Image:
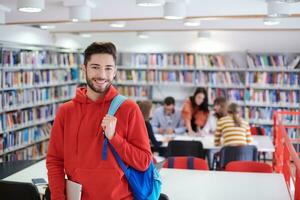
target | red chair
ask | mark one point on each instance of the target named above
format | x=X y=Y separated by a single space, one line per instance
x=186 y=162
x=257 y=130
x=248 y=166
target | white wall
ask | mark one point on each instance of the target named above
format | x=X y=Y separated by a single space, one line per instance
x=25 y=35
x=220 y=41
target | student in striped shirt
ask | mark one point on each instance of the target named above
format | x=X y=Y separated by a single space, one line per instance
x=234 y=129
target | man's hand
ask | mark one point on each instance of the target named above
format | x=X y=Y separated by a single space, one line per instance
x=161 y=131
x=109 y=126
x=170 y=131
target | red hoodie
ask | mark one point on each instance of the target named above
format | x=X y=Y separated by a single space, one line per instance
x=76 y=145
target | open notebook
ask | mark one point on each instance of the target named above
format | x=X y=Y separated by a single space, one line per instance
x=73 y=190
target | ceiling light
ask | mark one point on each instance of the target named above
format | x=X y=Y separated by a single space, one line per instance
x=277 y=8
x=47 y=27
x=174 y=10
x=118 y=24
x=80 y=13
x=271 y=21
x=203 y=35
x=31 y=5
x=192 y=22
x=85 y=35
x=142 y=35
x=150 y=3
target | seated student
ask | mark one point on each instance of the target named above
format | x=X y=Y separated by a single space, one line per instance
x=167 y=119
x=234 y=130
x=220 y=110
x=195 y=111
x=145 y=107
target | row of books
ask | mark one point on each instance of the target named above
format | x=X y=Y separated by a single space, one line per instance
x=199 y=77
x=11 y=120
x=177 y=59
x=37 y=58
x=33 y=152
x=273 y=78
x=264 y=114
x=263 y=61
x=272 y=96
x=34 y=96
x=16 y=139
x=42 y=77
x=232 y=95
x=134 y=91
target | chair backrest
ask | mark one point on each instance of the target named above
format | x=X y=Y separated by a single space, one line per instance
x=47 y=195
x=234 y=153
x=257 y=130
x=248 y=166
x=185 y=148
x=184 y=162
x=10 y=190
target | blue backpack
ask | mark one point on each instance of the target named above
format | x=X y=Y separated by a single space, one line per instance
x=145 y=185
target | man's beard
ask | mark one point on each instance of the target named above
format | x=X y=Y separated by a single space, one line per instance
x=100 y=90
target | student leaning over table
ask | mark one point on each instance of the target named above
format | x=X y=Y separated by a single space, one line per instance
x=76 y=138
x=234 y=130
x=195 y=111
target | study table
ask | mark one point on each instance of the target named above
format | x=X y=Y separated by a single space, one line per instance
x=181 y=184
x=263 y=143
x=197 y=185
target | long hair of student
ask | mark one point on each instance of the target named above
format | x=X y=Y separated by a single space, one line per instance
x=234 y=110
x=204 y=105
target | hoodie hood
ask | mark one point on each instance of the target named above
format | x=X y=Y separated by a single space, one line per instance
x=81 y=96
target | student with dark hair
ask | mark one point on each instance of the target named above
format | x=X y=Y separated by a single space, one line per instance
x=233 y=128
x=167 y=118
x=220 y=110
x=78 y=132
x=146 y=107
x=195 y=111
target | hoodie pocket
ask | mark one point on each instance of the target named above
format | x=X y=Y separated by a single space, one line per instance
x=101 y=183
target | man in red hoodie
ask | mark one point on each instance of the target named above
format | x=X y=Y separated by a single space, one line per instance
x=76 y=138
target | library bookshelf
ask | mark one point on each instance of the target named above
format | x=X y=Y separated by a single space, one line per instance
x=34 y=82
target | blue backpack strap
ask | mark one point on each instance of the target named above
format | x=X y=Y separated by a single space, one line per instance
x=190 y=162
x=171 y=162
x=120 y=161
x=114 y=105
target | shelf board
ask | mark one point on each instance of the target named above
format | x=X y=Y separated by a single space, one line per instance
x=38 y=122
x=13 y=149
x=39 y=86
x=35 y=104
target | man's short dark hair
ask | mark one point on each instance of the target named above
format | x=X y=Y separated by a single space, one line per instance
x=100 y=47
x=169 y=100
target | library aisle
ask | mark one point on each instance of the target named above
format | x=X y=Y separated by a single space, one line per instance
x=245 y=51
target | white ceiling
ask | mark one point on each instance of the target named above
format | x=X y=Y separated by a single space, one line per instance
x=239 y=15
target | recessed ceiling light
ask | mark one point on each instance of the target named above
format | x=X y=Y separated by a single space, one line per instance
x=31 y=5
x=142 y=35
x=85 y=35
x=47 y=26
x=149 y=3
x=271 y=21
x=174 y=10
x=118 y=24
x=192 y=23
